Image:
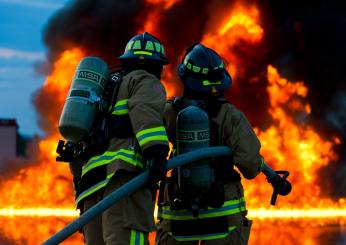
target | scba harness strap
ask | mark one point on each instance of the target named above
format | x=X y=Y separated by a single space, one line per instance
x=118 y=121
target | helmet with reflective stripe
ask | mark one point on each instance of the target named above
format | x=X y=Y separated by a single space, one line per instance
x=202 y=69
x=144 y=46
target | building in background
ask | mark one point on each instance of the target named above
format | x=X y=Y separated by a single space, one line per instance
x=8 y=138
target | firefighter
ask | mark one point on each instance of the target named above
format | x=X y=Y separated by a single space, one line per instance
x=137 y=141
x=205 y=79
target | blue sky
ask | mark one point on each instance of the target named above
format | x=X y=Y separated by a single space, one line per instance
x=21 y=46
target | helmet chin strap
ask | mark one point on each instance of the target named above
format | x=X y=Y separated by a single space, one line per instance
x=214 y=92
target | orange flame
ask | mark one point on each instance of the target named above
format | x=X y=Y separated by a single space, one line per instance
x=166 y=3
x=48 y=182
x=292 y=145
x=153 y=17
x=241 y=24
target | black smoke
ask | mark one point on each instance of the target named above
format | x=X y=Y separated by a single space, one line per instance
x=99 y=27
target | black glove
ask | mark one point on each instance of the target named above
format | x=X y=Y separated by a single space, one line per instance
x=156 y=163
x=66 y=151
x=281 y=186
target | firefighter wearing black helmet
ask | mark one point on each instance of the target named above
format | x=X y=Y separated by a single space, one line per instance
x=205 y=79
x=137 y=141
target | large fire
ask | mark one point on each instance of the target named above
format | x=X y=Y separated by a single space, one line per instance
x=290 y=143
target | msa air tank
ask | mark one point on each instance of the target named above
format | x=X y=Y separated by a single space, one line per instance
x=193 y=132
x=82 y=103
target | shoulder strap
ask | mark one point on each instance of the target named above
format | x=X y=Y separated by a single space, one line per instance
x=116 y=79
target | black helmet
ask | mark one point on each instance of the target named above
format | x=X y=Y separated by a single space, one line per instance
x=202 y=68
x=145 y=46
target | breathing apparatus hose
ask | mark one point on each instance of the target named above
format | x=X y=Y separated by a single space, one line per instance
x=130 y=188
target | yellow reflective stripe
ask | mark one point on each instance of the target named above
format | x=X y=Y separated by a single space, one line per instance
x=205 y=71
x=129 y=160
x=120 y=108
x=157 y=46
x=153 y=138
x=143 y=52
x=133 y=237
x=151 y=134
x=150 y=130
x=136 y=238
x=137 y=45
x=205 y=237
x=149 y=46
x=105 y=154
x=127 y=156
x=207 y=82
x=202 y=216
x=103 y=162
x=121 y=102
x=128 y=46
x=230 y=207
x=196 y=69
x=93 y=189
x=141 y=238
x=120 y=112
x=231 y=228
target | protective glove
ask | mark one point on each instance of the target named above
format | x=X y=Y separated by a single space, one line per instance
x=156 y=163
x=281 y=186
x=66 y=151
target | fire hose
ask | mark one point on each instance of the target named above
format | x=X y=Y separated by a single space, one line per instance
x=140 y=181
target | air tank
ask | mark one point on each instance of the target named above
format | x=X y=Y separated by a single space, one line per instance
x=82 y=102
x=193 y=132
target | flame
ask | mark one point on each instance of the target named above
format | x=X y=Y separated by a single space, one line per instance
x=290 y=143
x=167 y=4
x=157 y=7
x=33 y=230
x=240 y=25
x=171 y=88
x=47 y=182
